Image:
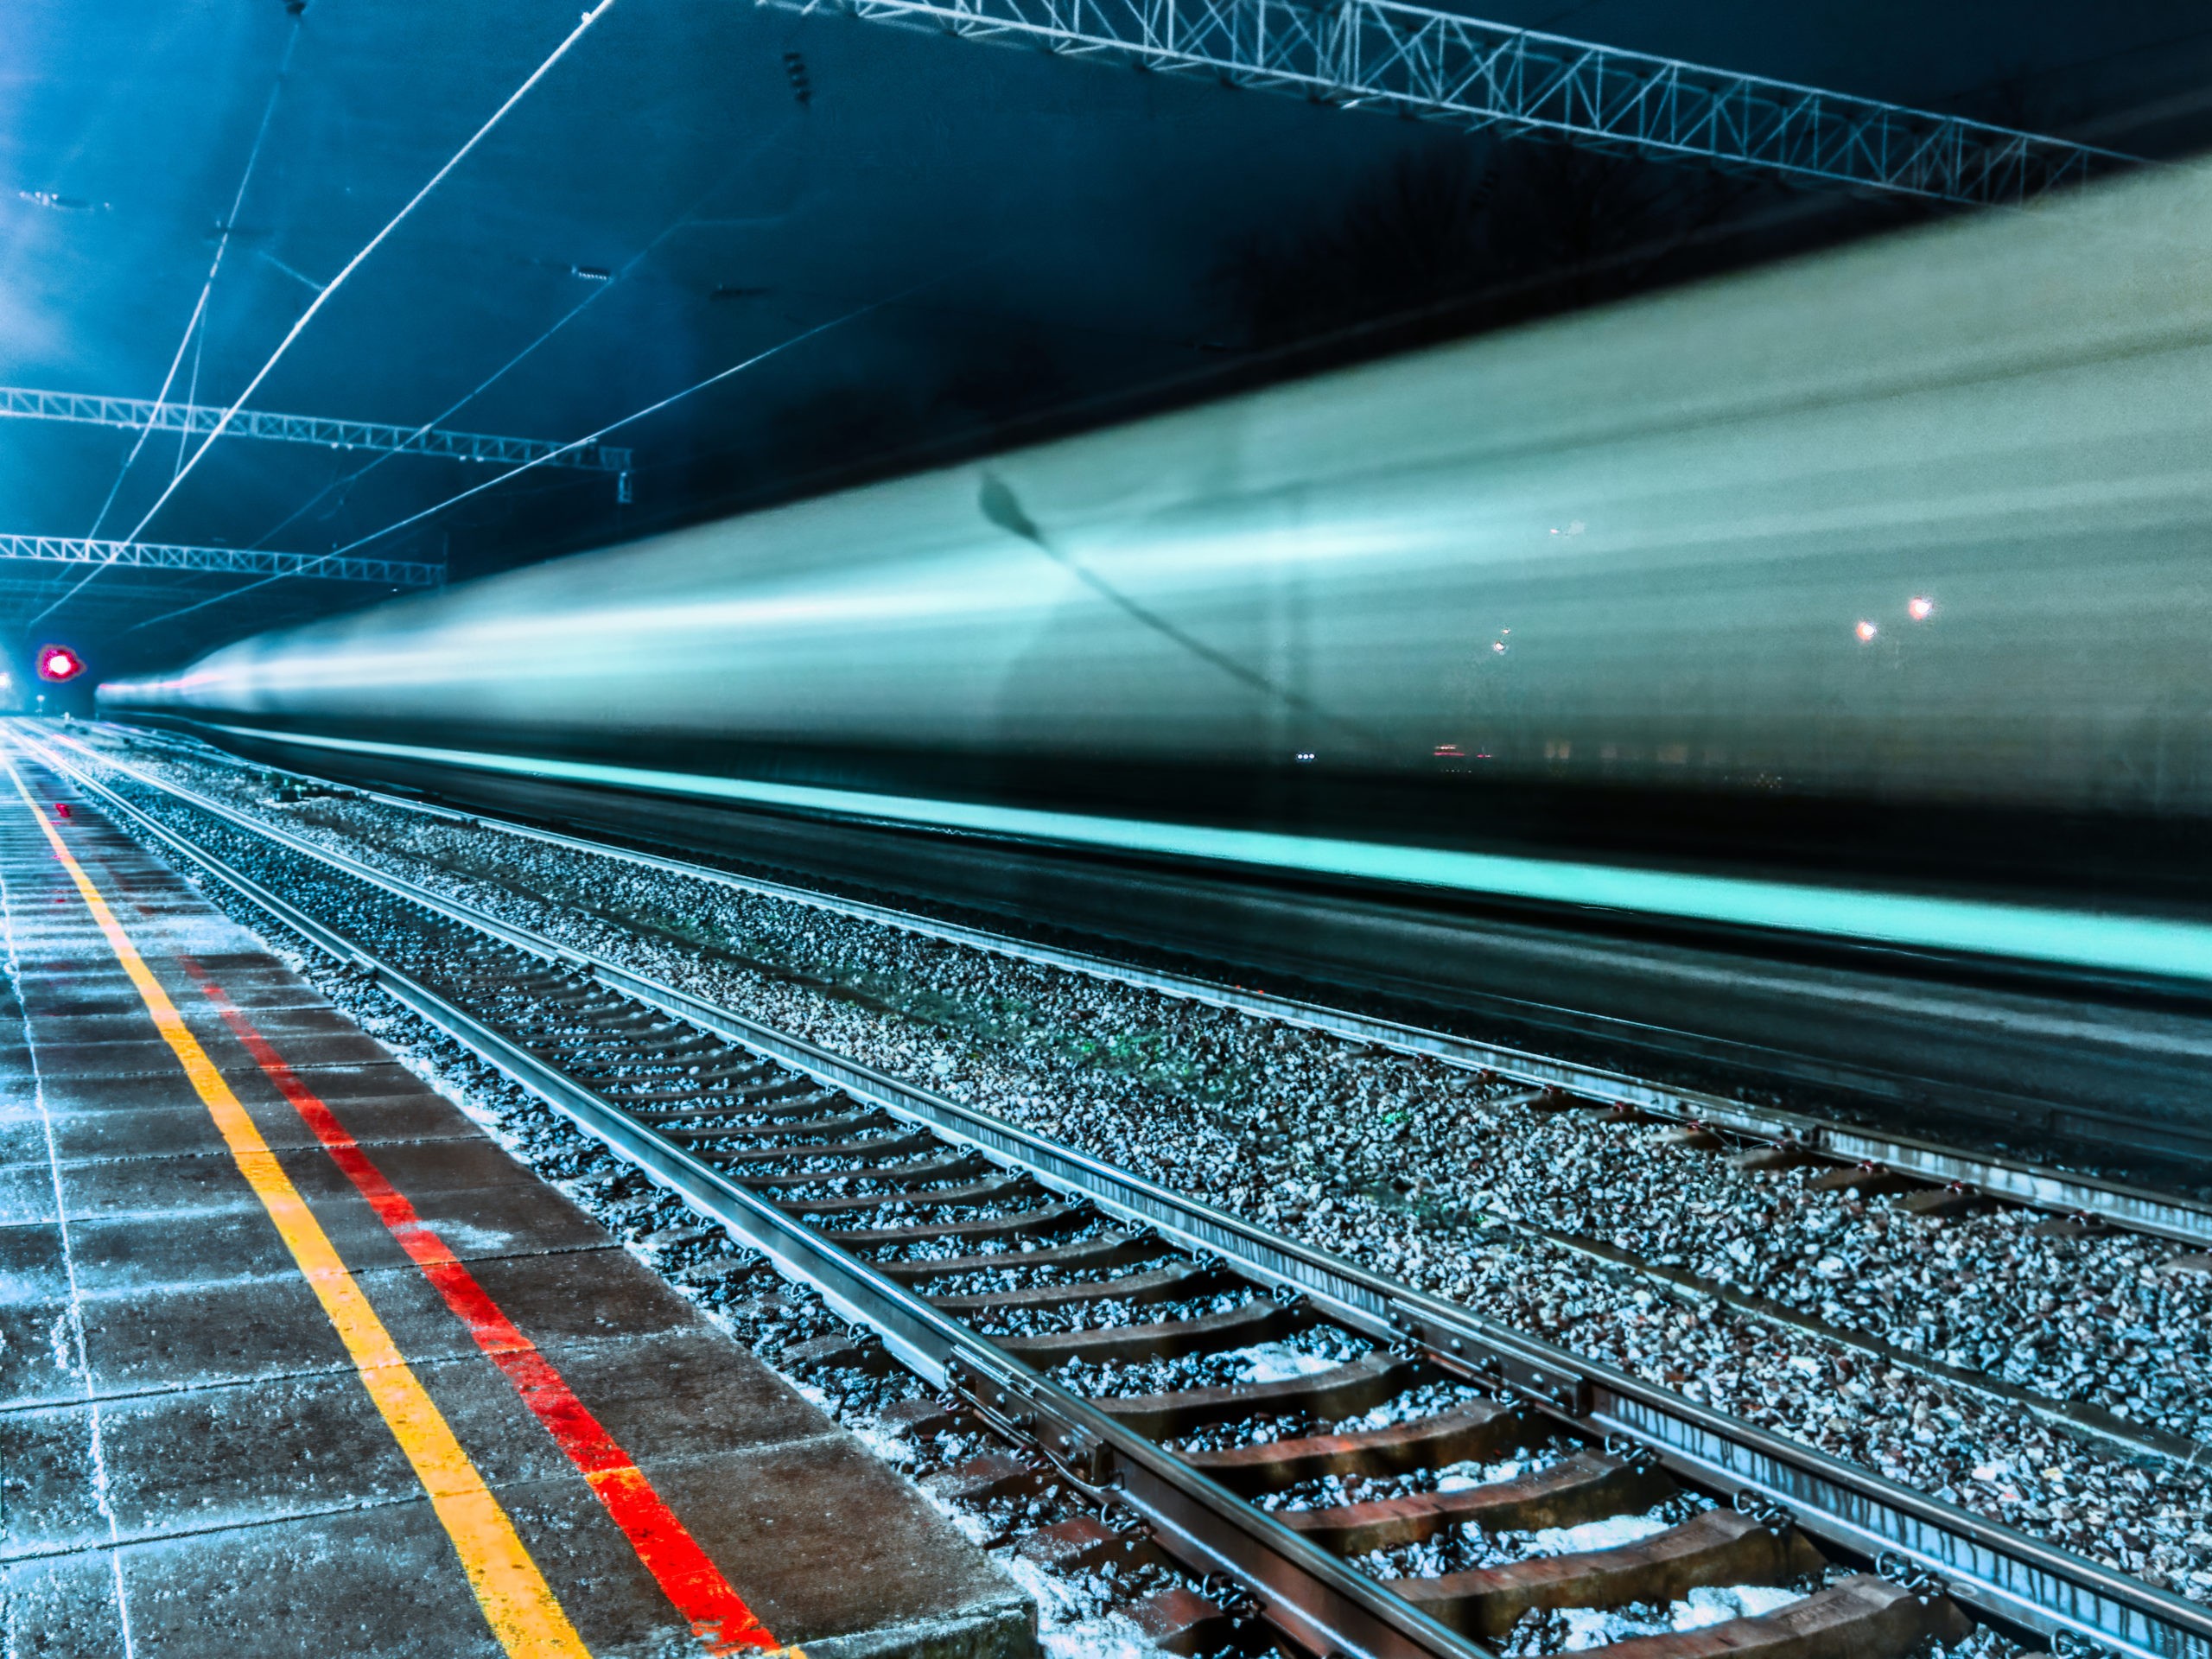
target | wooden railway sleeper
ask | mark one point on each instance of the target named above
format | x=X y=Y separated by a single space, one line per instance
x=1863 y=1617
x=1006 y=1186
x=1359 y=1385
x=1106 y=1250
x=659 y=1041
x=629 y=1019
x=1719 y=1546
x=882 y=1146
x=771 y=1128
x=1185 y=1279
x=1587 y=1486
x=704 y=1089
x=1051 y=1218
x=780 y=1137
x=706 y=1078
x=641 y=1062
x=927 y=1169
x=1478 y=1429
x=1256 y=1321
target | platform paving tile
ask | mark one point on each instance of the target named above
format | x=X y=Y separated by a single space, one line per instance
x=67 y=1096
x=253 y=1499
x=181 y=1184
x=48 y=995
x=214 y=1458
x=36 y=1364
x=120 y=1256
x=34 y=1267
x=26 y=1193
x=135 y=1133
x=61 y=1607
x=64 y=1094
x=838 y=1527
x=61 y=1036
x=502 y=1218
x=162 y=1131
x=216 y=1333
x=131 y=1052
x=379 y=1581
x=580 y=1296
x=87 y=1065
x=210 y=1333
x=23 y=1137
x=477 y=1223
x=292 y=1030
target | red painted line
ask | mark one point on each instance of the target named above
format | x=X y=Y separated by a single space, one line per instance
x=717 y=1613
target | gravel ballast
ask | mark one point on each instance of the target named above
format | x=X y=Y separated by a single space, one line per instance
x=1427 y=1174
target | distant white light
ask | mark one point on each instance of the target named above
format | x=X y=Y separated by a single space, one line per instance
x=1920 y=607
x=1497 y=646
x=1866 y=630
x=1306 y=755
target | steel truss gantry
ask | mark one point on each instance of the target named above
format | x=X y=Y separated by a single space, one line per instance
x=135 y=413
x=226 y=561
x=1438 y=66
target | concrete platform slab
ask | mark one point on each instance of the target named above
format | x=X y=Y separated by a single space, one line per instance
x=159 y=1131
x=26 y=1193
x=188 y=1453
x=61 y=1607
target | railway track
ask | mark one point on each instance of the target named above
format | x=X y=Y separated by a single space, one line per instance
x=1310 y=1434
x=1940 y=1179
x=1817 y=1160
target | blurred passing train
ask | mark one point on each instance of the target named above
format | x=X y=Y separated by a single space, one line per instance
x=1865 y=599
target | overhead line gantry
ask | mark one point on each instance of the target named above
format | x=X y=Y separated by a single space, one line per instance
x=137 y=414
x=230 y=561
x=1442 y=67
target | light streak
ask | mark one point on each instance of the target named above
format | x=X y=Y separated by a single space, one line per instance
x=2117 y=943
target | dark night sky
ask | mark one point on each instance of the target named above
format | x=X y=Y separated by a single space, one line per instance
x=1046 y=231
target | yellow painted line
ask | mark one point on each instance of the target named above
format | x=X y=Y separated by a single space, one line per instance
x=517 y=1602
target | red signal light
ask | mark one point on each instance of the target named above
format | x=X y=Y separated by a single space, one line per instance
x=58 y=663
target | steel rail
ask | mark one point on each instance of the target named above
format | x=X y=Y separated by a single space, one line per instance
x=2016 y=1181
x=2130 y=1440
x=1996 y=1570
x=1319 y=1601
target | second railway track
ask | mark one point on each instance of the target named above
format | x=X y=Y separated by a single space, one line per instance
x=1296 y=1425
x=1943 y=1178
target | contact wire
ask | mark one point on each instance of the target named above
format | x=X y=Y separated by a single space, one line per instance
x=578 y=443
x=329 y=288
x=199 y=306
x=598 y=292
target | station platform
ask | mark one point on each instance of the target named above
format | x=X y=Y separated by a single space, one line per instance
x=294 y=1359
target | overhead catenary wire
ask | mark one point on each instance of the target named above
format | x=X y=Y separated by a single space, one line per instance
x=446 y=414
x=591 y=297
x=193 y=324
x=336 y=284
x=761 y=356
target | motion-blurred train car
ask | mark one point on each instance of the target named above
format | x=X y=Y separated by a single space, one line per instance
x=1865 y=599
